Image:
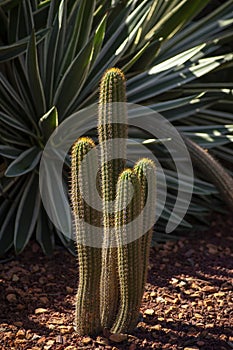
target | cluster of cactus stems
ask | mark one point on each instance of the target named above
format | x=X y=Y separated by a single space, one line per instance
x=111 y=278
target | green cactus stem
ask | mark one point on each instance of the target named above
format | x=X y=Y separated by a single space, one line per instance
x=87 y=318
x=129 y=257
x=146 y=173
x=112 y=125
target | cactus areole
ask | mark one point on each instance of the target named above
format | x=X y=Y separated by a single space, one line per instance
x=111 y=279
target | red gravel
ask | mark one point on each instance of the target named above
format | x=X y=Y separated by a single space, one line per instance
x=187 y=302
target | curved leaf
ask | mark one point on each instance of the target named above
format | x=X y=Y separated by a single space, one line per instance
x=34 y=76
x=49 y=122
x=8 y=212
x=9 y=151
x=27 y=213
x=73 y=80
x=44 y=234
x=8 y=52
x=26 y=162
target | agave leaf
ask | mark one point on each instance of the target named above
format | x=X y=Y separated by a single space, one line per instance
x=13 y=25
x=49 y=122
x=50 y=51
x=16 y=124
x=69 y=88
x=40 y=14
x=8 y=52
x=176 y=18
x=177 y=103
x=23 y=89
x=8 y=210
x=166 y=67
x=198 y=32
x=60 y=212
x=174 y=79
x=9 y=151
x=44 y=234
x=13 y=138
x=9 y=4
x=25 y=163
x=207 y=140
x=6 y=185
x=224 y=153
x=27 y=22
x=34 y=77
x=27 y=213
x=81 y=28
x=200 y=187
x=114 y=48
x=10 y=95
x=69 y=244
x=61 y=38
x=99 y=37
x=174 y=218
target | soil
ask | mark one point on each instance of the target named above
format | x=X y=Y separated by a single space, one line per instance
x=187 y=304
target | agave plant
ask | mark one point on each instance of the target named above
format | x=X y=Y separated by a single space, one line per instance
x=52 y=56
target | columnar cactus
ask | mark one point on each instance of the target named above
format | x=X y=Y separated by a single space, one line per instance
x=128 y=251
x=89 y=258
x=112 y=279
x=112 y=130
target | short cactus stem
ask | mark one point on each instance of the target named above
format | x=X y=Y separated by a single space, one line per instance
x=129 y=257
x=146 y=173
x=89 y=258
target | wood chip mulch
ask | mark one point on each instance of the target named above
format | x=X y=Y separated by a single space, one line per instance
x=187 y=304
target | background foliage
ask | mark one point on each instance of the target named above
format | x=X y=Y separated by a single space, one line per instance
x=177 y=56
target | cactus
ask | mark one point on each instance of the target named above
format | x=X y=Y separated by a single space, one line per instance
x=145 y=171
x=128 y=254
x=112 y=125
x=111 y=279
x=89 y=258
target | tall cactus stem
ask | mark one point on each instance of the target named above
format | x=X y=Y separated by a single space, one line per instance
x=129 y=257
x=87 y=318
x=112 y=125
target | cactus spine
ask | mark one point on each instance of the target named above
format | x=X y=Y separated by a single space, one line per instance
x=111 y=279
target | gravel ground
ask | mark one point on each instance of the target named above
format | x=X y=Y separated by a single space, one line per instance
x=187 y=303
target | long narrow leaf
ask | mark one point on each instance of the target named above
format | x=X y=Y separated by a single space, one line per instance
x=25 y=163
x=34 y=77
x=73 y=80
x=27 y=212
x=44 y=234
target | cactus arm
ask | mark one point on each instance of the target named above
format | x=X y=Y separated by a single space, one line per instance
x=89 y=258
x=129 y=254
x=146 y=172
x=112 y=124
